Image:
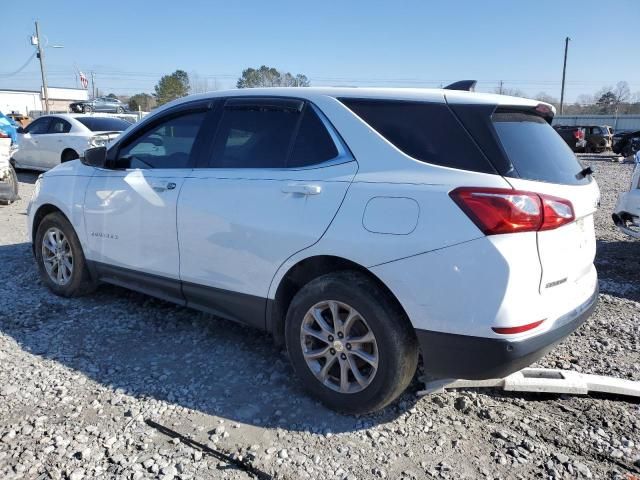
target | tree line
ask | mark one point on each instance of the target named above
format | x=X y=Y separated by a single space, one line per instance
x=609 y=100
x=178 y=84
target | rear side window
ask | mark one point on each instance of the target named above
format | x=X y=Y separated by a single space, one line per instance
x=104 y=124
x=428 y=132
x=535 y=150
x=254 y=137
x=313 y=143
x=58 y=125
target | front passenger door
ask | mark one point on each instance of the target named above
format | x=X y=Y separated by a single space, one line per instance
x=130 y=211
x=28 y=154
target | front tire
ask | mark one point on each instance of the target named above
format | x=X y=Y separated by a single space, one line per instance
x=61 y=262
x=12 y=180
x=349 y=343
x=87 y=109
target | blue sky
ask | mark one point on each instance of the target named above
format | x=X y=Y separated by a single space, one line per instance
x=129 y=45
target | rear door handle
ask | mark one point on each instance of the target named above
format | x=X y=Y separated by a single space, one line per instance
x=302 y=189
x=162 y=186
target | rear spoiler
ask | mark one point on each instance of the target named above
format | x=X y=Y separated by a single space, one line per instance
x=463 y=85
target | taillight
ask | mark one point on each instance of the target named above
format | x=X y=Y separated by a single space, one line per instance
x=500 y=210
x=518 y=329
x=578 y=134
x=3 y=134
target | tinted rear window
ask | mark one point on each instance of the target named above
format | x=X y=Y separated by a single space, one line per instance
x=535 y=150
x=104 y=124
x=425 y=131
x=313 y=144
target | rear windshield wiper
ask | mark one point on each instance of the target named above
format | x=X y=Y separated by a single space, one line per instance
x=584 y=172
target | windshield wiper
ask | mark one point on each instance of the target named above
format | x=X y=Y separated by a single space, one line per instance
x=584 y=172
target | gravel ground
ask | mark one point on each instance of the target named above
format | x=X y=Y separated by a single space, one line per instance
x=79 y=377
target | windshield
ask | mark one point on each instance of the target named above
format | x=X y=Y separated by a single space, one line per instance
x=535 y=149
x=104 y=124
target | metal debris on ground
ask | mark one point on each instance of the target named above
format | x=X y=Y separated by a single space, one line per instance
x=246 y=467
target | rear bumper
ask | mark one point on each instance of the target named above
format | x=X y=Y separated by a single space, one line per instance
x=447 y=355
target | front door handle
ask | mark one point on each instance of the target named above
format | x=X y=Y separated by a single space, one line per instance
x=302 y=189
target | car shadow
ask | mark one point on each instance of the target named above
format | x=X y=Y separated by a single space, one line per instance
x=618 y=265
x=150 y=348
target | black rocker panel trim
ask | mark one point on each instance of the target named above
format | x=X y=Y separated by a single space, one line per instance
x=239 y=307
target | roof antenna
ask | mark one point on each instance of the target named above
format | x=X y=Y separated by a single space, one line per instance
x=464 y=85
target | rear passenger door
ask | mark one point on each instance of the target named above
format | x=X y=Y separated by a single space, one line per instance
x=274 y=178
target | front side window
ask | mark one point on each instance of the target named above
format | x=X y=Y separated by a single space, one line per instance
x=59 y=125
x=39 y=126
x=166 y=145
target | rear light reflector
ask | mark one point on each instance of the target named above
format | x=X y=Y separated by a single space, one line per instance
x=519 y=329
x=501 y=210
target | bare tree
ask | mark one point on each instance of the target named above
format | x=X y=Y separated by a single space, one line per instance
x=512 y=92
x=622 y=92
x=545 y=97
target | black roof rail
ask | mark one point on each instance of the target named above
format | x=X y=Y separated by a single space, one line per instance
x=464 y=85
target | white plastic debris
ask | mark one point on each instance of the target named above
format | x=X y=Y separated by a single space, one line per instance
x=543 y=380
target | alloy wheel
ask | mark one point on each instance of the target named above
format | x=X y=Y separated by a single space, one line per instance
x=339 y=347
x=57 y=256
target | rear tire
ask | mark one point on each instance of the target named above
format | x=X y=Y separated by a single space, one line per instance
x=69 y=155
x=60 y=259
x=390 y=348
x=120 y=110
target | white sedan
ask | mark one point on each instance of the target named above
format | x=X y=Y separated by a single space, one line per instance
x=54 y=139
x=626 y=215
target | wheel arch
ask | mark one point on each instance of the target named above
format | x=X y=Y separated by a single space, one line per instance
x=44 y=210
x=302 y=273
x=68 y=150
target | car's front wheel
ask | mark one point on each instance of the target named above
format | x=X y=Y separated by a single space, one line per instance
x=349 y=343
x=87 y=109
x=61 y=262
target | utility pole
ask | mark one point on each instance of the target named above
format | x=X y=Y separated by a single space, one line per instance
x=93 y=85
x=564 y=72
x=500 y=87
x=42 y=69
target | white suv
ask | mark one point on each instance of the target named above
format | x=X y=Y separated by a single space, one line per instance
x=361 y=227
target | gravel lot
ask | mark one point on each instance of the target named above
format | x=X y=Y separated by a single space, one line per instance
x=79 y=377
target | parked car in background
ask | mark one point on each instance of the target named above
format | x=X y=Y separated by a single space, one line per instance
x=573 y=136
x=52 y=139
x=626 y=143
x=20 y=119
x=358 y=226
x=8 y=128
x=626 y=215
x=598 y=138
x=99 y=104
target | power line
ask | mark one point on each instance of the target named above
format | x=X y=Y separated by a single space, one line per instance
x=25 y=65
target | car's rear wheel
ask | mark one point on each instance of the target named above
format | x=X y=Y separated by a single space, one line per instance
x=120 y=110
x=60 y=259
x=349 y=343
x=69 y=155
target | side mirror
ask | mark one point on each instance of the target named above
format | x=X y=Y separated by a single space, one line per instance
x=95 y=157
